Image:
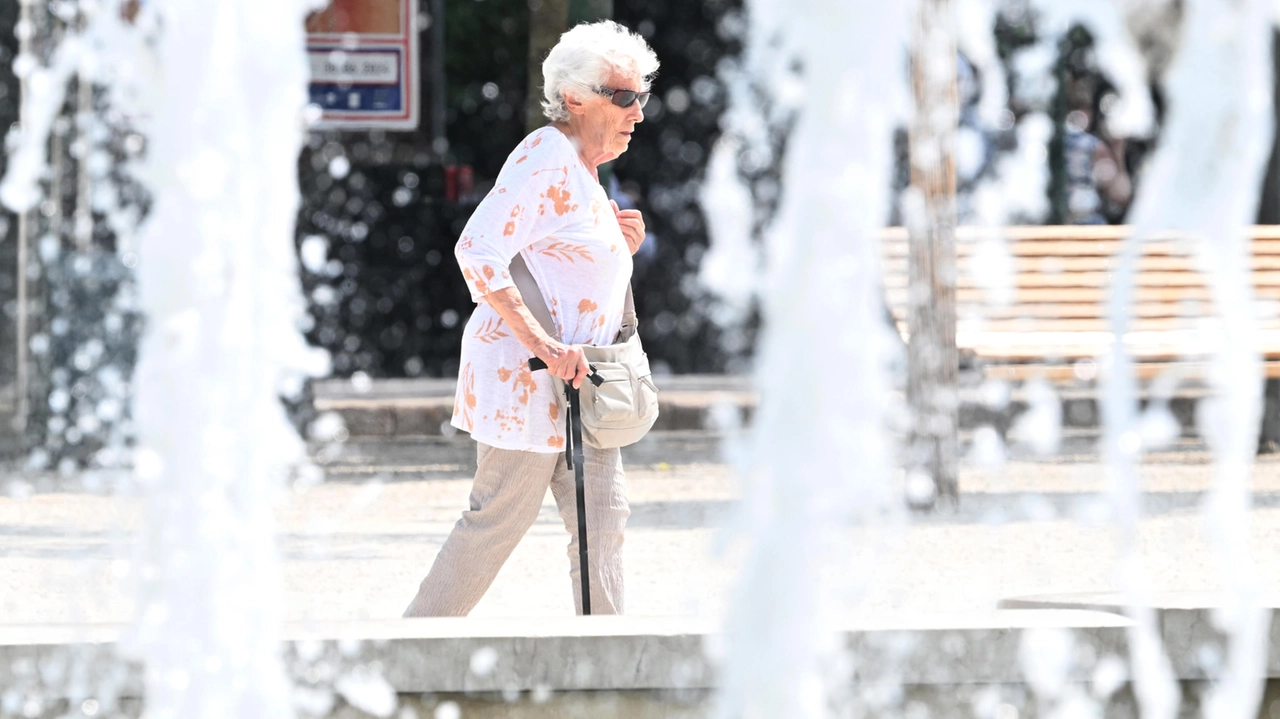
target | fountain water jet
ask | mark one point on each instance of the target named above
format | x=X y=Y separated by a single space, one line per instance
x=219 y=286
x=821 y=452
x=1203 y=183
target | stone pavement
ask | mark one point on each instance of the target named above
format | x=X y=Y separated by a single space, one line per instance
x=356 y=546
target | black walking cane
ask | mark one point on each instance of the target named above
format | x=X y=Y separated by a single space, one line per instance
x=573 y=458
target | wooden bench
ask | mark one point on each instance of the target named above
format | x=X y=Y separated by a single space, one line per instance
x=1053 y=323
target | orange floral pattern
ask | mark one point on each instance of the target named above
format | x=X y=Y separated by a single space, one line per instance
x=559 y=199
x=546 y=206
x=490 y=331
x=463 y=411
x=566 y=251
x=555 y=440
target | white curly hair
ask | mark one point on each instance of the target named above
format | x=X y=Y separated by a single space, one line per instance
x=583 y=59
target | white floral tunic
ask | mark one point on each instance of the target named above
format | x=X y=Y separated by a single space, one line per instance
x=547 y=206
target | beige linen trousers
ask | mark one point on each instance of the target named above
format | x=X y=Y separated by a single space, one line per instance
x=505 y=498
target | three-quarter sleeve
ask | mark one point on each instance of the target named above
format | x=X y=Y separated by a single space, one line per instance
x=526 y=205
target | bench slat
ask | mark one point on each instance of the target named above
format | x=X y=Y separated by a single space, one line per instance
x=1143 y=370
x=1096 y=295
x=897 y=266
x=1161 y=324
x=1056 y=232
x=1081 y=248
x=1076 y=310
x=1068 y=280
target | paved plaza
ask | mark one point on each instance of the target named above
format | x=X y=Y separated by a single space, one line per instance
x=356 y=545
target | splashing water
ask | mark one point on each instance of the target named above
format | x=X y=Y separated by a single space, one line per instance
x=822 y=453
x=218 y=89
x=218 y=283
x=1203 y=182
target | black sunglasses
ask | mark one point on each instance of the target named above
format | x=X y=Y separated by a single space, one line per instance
x=624 y=98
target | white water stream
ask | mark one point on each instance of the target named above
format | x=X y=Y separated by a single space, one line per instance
x=821 y=455
x=218 y=281
x=219 y=92
x=1204 y=183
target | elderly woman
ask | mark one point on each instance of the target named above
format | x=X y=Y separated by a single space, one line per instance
x=548 y=207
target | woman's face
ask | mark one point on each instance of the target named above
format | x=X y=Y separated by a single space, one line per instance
x=605 y=127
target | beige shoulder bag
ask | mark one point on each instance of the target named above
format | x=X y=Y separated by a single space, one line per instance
x=620 y=403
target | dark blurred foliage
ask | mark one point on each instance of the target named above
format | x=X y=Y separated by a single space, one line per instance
x=663 y=170
x=9 y=96
x=84 y=357
x=387 y=302
x=1269 y=205
x=391 y=301
x=84 y=325
x=486 y=60
x=82 y=328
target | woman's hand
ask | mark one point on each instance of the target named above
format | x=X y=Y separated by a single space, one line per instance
x=632 y=225
x=565 y=361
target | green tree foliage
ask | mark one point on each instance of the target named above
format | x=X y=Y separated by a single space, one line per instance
x=486 y=51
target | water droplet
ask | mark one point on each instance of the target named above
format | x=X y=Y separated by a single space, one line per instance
x=24 y=64
x=1006 y=711
x=361 y=382
x=483 y=660
x=59 y=400
x=314 y=252
x=339 y=167
x=920 y=489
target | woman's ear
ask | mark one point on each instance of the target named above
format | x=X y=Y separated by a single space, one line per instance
x=573 y=103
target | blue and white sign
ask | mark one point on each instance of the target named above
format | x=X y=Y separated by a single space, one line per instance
x=364 y=64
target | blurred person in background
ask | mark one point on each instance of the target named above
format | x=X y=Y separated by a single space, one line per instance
x=547 y=206
x=1097 y=182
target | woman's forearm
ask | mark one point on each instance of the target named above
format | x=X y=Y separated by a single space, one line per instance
x=509 y=305
x=564 y=361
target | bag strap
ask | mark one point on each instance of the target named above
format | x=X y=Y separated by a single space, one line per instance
x=630 y=324
x=532 y=295
x=533 y=299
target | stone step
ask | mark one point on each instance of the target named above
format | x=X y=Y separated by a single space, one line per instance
x=583 y=653
x=898 y=663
